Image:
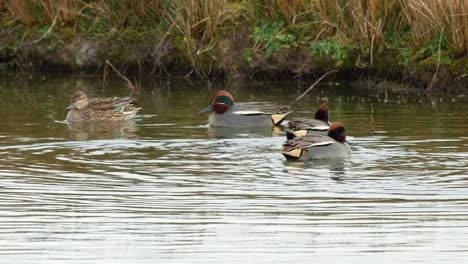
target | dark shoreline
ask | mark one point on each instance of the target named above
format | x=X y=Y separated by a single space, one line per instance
x=160 y=57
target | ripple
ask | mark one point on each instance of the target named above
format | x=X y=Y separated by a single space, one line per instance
x=171 y=189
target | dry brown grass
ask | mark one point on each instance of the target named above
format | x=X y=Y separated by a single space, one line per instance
x=367 y=20
x=64 y=11
x=198 y=21
x=287 y=10
x=43 y=11
x=431 y=17
x=150 y=8
x=19 y=10
x=67 y=12
x=358 y=19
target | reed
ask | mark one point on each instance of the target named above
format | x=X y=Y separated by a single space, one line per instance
x=360 y=20
x=430 y=18
x=199 y=22
x=196 y=26
x=150 y=9
x=43 y=11
x=63 y=11
x=198 y=19
x=19 y=10
x=67 y=12
x=289 y=11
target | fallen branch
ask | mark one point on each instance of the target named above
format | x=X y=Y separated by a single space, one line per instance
x=130 y=85
x=310 y=88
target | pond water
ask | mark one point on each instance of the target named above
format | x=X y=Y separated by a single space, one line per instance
x=166 y=188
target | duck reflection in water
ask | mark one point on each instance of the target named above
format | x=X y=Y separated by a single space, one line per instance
x=230 y=132
x=335 y=167
x=102 y=130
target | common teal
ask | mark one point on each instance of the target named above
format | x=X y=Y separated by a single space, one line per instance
x=226 y=113
x=314 y=146
x=301 y=126
x=100 y=109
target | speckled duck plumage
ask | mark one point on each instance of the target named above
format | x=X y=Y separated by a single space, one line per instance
x=226 y=113
x=100 y=109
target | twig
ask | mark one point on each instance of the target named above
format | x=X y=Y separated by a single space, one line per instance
x=372 y=51
x=105 y=74
x=438 y=62
x=130 y=85
x=47 y=32
x=310 y=88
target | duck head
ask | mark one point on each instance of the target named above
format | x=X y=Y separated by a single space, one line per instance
x=79 y=100
x=322 y=113
x=337 y=132
x=220 y=103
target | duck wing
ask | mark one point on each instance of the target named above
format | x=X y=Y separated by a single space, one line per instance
x=307 y=124
x=277 y=113
x=260 y=108
x=116 y=114
x=307 y=141
x=111 y=103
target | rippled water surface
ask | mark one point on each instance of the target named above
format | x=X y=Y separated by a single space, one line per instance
x=166 y=188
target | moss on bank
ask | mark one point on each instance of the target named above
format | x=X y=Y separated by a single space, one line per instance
x=236 y=39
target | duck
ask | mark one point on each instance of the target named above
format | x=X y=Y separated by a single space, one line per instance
x=316 y=146
x=224 y=112
x=301 y=126
x=82 y=109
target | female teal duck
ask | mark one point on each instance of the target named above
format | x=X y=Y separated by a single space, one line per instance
x=301 y=126
x=100 y=109
x=315 y=146
x=226 y=113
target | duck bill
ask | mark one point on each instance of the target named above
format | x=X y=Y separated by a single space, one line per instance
x=70 y=107
x=206 y=110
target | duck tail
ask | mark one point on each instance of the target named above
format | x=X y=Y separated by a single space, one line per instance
x=124 y=101
x=293 y=154
x=290 y=134
x=277 y=118
x=130 y=113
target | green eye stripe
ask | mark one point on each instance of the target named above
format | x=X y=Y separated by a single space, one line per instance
x=224 y=99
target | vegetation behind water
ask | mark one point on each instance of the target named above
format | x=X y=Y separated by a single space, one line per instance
x=424 y=42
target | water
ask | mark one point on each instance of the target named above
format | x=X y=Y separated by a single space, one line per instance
x=166 y=188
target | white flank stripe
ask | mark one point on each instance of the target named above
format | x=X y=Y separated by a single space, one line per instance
x=248 y=112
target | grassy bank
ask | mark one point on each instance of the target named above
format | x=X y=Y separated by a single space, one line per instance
x=424 y=42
